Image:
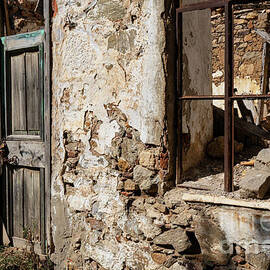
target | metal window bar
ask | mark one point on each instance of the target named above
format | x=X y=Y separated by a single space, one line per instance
x=229 y=96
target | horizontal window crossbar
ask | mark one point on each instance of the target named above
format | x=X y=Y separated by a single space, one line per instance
x=213 y=4
x=222 y=97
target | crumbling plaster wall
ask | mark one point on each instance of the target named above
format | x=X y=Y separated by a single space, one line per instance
x=113 y=84
x=108 y=106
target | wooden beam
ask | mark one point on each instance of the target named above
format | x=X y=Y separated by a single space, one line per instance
x=219 y=200
x=263 y=35
x=243 y=126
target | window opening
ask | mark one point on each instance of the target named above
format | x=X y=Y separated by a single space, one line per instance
x=234 y=108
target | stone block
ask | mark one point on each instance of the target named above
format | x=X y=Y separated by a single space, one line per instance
x=152 y=212
x=240 y=21
x=212 y=242
x=256 y=183
x=159 y=258
x=182 y=219
x=147 y=158
x=173 y=197
x=129 y=185
x=160 y=207
x=177 y=238
x=123 y=165
x=264 y=156
x=130 y=150
x=177 y=266
x=259 y=261
x=141 y=174
x=252 y=15
x=150 y=185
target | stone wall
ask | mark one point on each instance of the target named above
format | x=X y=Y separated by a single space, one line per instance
x=109 y=141
x=113 y=94
x=248 y=47
x=113 y=202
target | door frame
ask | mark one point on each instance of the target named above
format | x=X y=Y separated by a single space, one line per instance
x=47 y=121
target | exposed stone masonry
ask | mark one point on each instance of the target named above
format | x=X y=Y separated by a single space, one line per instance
x=113 y=204
x=248 y=45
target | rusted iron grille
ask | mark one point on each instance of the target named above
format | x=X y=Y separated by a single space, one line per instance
x=229 y=96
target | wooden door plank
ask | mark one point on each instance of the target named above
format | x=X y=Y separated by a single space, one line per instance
x=28 y=194
x=18 y=224
x=36 y=203
x=29 y=153
x=32 y=203
x=33 y=93
x=18 y=121
x=23 y=41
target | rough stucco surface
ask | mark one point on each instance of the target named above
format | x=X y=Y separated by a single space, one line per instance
x=107 y=77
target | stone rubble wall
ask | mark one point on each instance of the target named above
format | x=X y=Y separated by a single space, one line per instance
x=110 y=129
x=108 y=141
x=248 y=47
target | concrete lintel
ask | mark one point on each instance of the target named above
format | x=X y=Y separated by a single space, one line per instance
x=187 y=197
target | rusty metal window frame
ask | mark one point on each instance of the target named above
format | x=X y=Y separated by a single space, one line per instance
x=229 y=96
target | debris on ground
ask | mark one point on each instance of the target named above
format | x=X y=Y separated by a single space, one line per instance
x=19 y=259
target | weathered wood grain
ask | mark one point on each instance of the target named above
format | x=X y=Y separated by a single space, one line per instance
x=29 y=153
x=18 y=94
x=23 y=41
x=33 y=93
x=47 y=121
x=32 y=202
x=29 y=145
x=18 y=223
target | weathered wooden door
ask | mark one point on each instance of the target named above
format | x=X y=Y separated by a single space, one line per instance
x=24 y=129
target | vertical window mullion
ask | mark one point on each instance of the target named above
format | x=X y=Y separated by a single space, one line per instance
x=179 y=92
x=228 y=123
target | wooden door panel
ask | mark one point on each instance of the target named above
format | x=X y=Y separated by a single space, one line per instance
x=33 y=93
x=18 y=106
x=25 y=93
x=27 y=206
x=29 y=153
